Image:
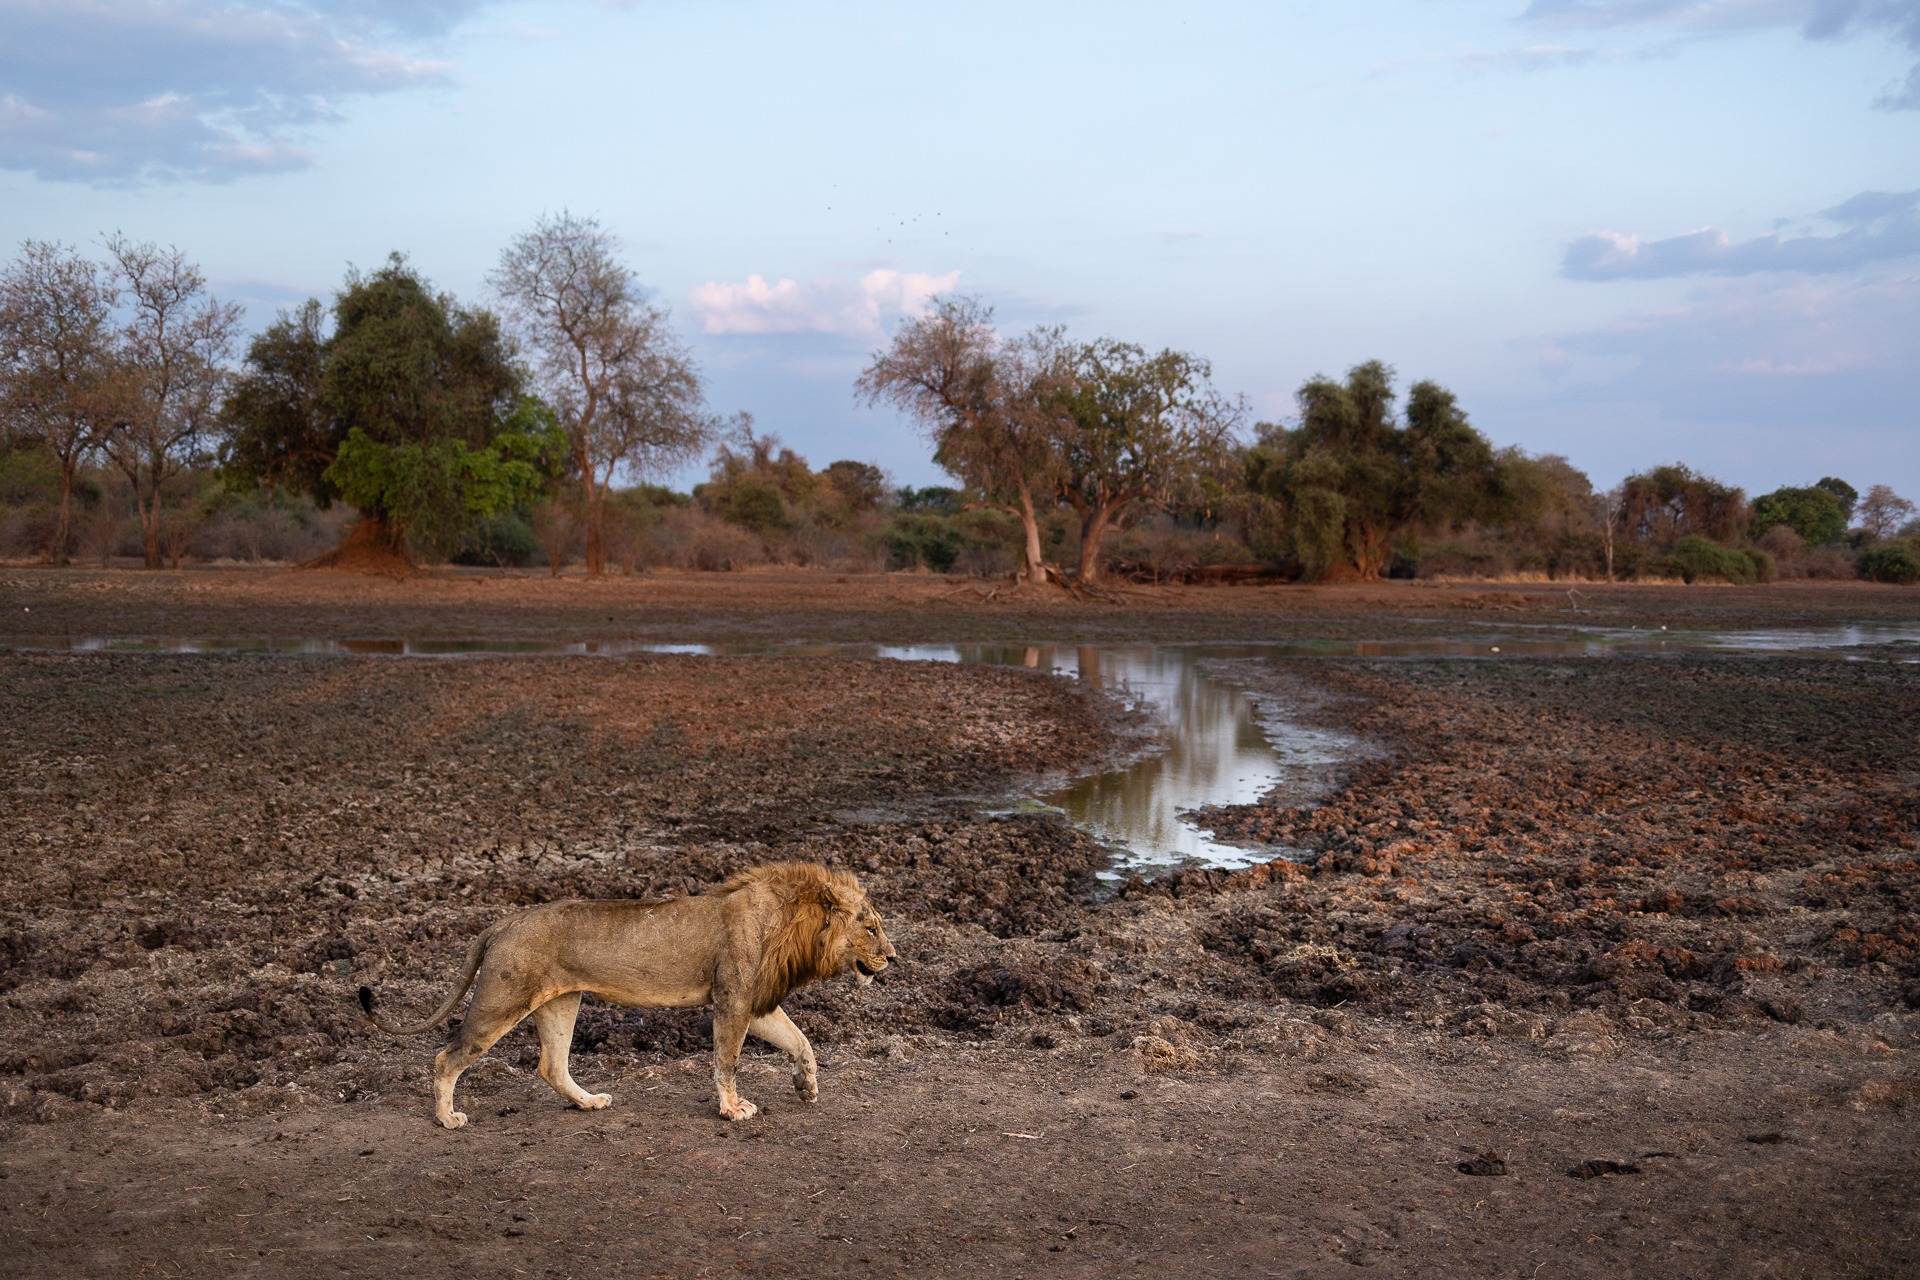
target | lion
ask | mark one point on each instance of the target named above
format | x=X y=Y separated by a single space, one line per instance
x=742 y=949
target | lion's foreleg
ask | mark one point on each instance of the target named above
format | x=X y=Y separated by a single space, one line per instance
x=554 y=1021
x=777 y=1029
x=729 y=1032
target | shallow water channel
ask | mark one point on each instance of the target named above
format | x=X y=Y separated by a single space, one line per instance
x=1218 y=745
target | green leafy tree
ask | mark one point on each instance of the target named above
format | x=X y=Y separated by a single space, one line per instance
x=1354 y=484
x=1846 y=493
x=1141 y=428
x=410 y=410
x=1815 y=513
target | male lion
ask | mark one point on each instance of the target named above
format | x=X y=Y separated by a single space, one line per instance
x=741 y=948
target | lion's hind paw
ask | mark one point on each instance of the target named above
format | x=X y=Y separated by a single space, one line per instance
x=454 y=1119
x=595 y=1101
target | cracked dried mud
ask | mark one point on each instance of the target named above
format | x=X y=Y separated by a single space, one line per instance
x=1601 y=966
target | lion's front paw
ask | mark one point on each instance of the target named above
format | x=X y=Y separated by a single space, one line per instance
x=595 y=1101
x=740 y=1109
x=454 y=1119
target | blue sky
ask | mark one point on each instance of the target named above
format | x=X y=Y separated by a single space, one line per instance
x=1629 y=231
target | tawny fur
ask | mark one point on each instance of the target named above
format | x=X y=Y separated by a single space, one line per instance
x=741 y=948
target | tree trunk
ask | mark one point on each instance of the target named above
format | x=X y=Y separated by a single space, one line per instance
x=150 y=527
x=63 y=528
x=1369 y=550
x=1036 y=568
x=596 y=541
x=1093 y=527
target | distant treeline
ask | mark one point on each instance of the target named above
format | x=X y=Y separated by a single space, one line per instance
x=396 y=422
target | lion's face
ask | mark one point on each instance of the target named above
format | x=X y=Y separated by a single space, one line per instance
x=867 y=949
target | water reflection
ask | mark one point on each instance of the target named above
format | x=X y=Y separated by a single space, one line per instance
x=1218 y=747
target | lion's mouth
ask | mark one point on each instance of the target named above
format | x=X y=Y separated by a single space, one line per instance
x=864 y=971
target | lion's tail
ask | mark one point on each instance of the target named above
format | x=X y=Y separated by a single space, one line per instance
x=474 y=953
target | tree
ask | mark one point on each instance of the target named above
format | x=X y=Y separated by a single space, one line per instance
x=170 y=372
x=1883 y=511
x=411 y=410
x=1661 y=506
x=1140 y=428
x=1355 y=485
x=625 y=389
x=278 y=428
x=992 y=408
x=56 y=360
x=1846 y=493
x=1815 y=513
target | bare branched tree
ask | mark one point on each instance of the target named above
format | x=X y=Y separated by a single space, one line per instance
x=624 y=387
x=1883 y=511
x=172 y=368
x=56 y=360
x=991 y=408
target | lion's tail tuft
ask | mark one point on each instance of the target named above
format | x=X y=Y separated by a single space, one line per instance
x=472 y=966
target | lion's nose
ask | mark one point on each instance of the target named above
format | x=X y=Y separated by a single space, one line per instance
x=886 y=949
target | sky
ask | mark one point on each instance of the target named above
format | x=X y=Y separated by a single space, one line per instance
x=1631 y=232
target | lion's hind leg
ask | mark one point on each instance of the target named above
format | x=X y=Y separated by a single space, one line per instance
x=777 y=1029
x=497 y=1007
x=554 y=1020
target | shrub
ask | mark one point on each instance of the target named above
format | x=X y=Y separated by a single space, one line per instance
x=923 y=542
x=504 y=540
x=1890 y=562
x=1694 y=557
x=689 y=538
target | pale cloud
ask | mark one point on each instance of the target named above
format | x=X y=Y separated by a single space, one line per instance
x=1895 y=20
x=849 y=308
x=119 y=91
x=1877 y=226
x=1754 y=332
x=1760 y=381
x=1534 y=57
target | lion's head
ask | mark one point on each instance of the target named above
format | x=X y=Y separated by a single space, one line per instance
x=865 y=944
x=823 y=925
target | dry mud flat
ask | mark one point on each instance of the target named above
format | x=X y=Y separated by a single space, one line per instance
x=778 y=605
x=1651 y=920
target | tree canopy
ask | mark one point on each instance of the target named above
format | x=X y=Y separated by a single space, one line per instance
x=992 y=408
x=411 y=410
x=1814 y=512
x=1353 y=483
x=1138 y=427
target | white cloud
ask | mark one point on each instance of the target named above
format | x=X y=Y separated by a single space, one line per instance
x=1879 y=225
x=1895 y=20
x=117 y=91
x=850 y=308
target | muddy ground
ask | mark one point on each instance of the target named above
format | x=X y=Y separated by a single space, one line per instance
x=1653 y=920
